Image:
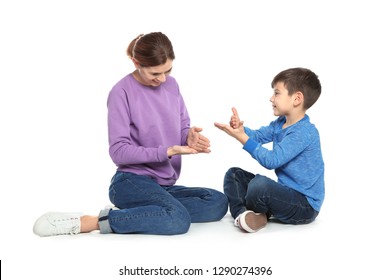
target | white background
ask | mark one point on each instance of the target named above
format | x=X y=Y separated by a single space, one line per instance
x=58 y=61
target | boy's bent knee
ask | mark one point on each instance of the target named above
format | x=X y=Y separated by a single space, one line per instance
x=232 y=170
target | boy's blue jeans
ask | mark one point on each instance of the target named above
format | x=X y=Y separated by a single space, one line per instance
x=246 y=191
x=149 y=208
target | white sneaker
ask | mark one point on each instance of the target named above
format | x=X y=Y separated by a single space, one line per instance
x=250 y=221
x=111 y=207
x=57 y=223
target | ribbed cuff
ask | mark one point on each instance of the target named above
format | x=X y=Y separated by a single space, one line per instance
x=250 y=145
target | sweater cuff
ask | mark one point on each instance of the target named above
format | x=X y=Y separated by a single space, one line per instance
x=250 y=145
x=162 y=153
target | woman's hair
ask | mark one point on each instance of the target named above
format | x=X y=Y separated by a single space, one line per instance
x=151 y=49
x=300 y=79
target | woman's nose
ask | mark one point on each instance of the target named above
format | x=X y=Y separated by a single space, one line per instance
x=161 y=77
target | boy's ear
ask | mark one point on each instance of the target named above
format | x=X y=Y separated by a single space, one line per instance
x=299 y=97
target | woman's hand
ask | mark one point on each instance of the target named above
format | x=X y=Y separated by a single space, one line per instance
x=180 y=150
x=197 y=141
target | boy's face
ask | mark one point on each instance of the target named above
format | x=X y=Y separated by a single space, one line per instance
x=282 y=103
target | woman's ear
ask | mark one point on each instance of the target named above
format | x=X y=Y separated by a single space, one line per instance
x=136 y=63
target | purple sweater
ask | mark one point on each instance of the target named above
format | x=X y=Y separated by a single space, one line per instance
x=143 y=122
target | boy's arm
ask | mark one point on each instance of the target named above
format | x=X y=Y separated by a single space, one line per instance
x=283 y=152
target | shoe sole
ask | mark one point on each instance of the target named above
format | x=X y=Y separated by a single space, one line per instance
x=252 y=222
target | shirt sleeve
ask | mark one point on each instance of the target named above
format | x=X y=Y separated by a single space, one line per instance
x=293 y=143
x=263 y=135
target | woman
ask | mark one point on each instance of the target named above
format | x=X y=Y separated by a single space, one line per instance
x=149 y=129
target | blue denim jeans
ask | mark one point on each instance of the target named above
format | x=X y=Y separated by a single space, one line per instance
x=246 y=191
x=149 y=208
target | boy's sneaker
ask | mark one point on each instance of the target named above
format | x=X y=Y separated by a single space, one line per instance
x=57 y=223
x=250 y=221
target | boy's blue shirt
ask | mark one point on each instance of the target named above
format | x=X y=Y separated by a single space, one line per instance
x=296 y=156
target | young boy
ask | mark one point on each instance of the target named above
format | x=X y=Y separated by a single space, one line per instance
x=296 y=157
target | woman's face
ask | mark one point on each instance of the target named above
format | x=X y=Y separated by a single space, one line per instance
x=155 y=75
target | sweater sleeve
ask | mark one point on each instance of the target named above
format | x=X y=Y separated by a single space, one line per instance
x=263 y=135
x=292 y=144
x=185 y=121
x=122 y=149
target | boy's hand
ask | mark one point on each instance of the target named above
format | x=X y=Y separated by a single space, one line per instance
x=235 y=129
x=235 y=119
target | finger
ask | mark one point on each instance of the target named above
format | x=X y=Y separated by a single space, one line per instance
x=202 y=149
x=203 y=145
x=219 y=125
x=233 y=124
x=189 y=150
x=197 y=129
x=224 y=127
x=203 y=139
x=235 y=113
x=206 y=151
